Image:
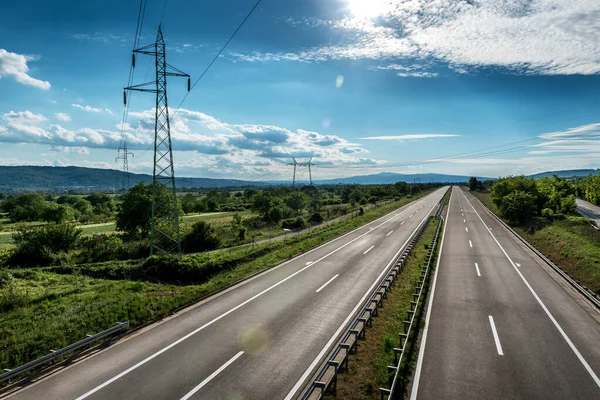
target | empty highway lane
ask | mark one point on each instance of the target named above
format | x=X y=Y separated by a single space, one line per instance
x=500 y=323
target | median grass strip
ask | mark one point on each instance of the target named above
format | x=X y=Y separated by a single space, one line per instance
x=367 y=370
x=49 y=308
x=570 y=243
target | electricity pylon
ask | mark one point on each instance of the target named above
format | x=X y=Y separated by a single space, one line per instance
x=164 y=237
x=123 y=154
x=301 y=164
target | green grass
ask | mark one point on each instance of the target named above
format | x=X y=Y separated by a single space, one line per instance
x=212 y=216
x=572 y=243
x=367 y=370
x=49 y=310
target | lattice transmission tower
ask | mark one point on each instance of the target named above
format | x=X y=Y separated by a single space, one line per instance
x=297 y=164
x=123 y=154
x=164 y=236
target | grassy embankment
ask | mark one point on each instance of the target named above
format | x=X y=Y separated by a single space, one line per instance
x=367 y=370
x=572 y=243
x=49 y=308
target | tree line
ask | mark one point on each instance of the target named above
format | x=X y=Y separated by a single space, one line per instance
x=60 y=240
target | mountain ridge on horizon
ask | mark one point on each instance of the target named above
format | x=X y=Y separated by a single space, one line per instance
x=49 y=178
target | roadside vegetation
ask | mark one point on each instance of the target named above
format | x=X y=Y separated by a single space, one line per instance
x=544 y=213
x=48 y=307
x=367 y=369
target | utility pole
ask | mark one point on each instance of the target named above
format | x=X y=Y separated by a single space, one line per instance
x=123 y=154
x=164 y=237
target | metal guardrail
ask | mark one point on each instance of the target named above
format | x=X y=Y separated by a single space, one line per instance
x=594 y=298
x=326 y=378
x=11 y=373
x=414 y=305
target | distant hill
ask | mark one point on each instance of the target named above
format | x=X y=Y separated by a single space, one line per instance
x=36 y=178
x=569 y=173
x=391 y=177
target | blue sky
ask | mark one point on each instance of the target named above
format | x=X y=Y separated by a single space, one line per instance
x=484 y=88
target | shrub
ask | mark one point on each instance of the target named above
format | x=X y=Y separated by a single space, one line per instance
x=291 y=223
x=35 y=246
x=548 y=214
x=361 y=211
x=316 y=218
x=201 y=237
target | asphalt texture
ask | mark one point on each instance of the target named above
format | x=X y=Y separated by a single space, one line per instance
x=588 y=210
x=543 y=341
x=258 y=340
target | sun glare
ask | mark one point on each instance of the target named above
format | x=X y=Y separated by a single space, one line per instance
x=368 y=8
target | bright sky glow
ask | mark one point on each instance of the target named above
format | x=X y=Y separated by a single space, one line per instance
x=482 y=88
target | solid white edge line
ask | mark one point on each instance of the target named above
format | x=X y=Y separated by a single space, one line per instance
x=470 y=243
x=477 y=268
x=541 y=303
x=187 y=336
x=389 y=233
x=212 y=376
x=415 y=387
x=327 y=283
x=369 y=249
x=496 y=338
x=333 y=338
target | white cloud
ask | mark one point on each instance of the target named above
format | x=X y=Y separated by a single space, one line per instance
x=409 y=137
x=23 y=117
x=15 y=65
x=62 y=116
x=545 y=37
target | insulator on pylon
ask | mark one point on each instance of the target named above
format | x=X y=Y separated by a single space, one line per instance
x=124 y=97
x=133 y=60
x=189 y=83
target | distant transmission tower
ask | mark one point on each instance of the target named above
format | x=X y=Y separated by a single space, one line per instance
x=164 y=237
x=301 y=164
x=123 y=154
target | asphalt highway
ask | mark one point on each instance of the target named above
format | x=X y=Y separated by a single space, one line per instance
x=260 y=339
x=500 y=324
x=588 y=210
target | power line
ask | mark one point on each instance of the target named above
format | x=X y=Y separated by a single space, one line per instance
x=218 y=54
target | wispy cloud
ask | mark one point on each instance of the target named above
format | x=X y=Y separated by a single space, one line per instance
x=410 y=137
x=15 y=65
x=92 y=109
x=101 y=37
x=546 y=37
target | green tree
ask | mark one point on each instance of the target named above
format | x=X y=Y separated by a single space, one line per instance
x=27 y=207
x=135 y=214
x=296 y=201
x=473 y=184
x=558 y=194
x=102 y=203
x=592 y=190
x=57 y=213
x=505 y=186
x=518 y=207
